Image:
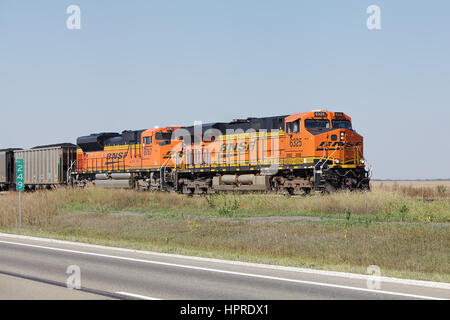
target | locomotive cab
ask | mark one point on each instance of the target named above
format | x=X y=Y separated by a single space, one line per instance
x=158 y=145
x=324 y=136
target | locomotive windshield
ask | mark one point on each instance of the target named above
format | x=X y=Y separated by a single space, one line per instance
x=163 y=136
x=341 y=124
x=317 y=124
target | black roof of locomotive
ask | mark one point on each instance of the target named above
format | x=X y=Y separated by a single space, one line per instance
x=98 y=141
x=265 y=123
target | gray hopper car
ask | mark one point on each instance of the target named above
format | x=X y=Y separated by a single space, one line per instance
x=46 y=166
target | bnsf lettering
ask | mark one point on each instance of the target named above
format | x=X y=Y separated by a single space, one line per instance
x=173 y=154
x=239 y=147
x=328 y=145
x=337 y=143
x=116 y=155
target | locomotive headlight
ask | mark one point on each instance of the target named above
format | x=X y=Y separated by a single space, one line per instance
x=362 y=161
x=342 y=135
x=336 y=160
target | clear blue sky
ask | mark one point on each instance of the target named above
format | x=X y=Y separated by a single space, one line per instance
x=138 y=64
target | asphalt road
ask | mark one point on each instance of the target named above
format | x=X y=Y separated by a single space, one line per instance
x=32 y=268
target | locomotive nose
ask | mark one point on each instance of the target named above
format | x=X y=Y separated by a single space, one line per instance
x=338 y=136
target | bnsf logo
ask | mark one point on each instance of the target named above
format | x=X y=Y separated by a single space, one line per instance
x=240 y=147
x=328 y=145
x=116 y=155
x=173 y=154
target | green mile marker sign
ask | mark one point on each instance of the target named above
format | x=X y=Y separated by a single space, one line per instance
x=20 y=185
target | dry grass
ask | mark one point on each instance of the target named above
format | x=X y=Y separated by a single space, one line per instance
x=168 y=224
x=416 y=189
x=378 y=205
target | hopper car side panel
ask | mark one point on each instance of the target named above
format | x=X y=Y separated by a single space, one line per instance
x=46 y=167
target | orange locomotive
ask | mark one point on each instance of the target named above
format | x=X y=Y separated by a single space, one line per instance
x=292 y=154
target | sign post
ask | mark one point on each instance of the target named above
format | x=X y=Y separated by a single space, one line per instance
x=20 y=186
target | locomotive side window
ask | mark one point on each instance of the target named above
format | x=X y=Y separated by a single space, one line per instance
x=293 y=127
x=341 y=124
x=148 y=140
x=296 y=126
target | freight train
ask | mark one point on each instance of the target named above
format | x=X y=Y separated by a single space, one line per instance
x=290 y=154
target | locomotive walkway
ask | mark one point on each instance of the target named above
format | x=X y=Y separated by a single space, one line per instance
x=35 y=268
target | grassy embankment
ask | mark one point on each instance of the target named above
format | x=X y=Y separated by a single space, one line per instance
x=395 y=226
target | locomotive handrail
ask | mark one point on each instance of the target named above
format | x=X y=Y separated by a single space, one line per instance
x=321 y=167
x=357 y=155
x=162 y=174
x=323 y=156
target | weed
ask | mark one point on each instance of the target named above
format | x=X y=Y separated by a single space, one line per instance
x=403 y=212
x=229 y=206
x=210 y=200
x=441 y=189
x=348 y=214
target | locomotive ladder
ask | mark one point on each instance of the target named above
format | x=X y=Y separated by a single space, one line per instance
x=321 y=163
x=162 y=175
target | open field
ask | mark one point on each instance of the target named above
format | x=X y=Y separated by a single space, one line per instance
x=400 y=230
x=411 y=183
x=419 y=188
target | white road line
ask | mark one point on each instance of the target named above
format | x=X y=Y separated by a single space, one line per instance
x=223 y=271
x=138 y=296
x=431 y=284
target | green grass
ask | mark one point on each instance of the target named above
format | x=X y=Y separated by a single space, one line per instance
x=356 y=229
